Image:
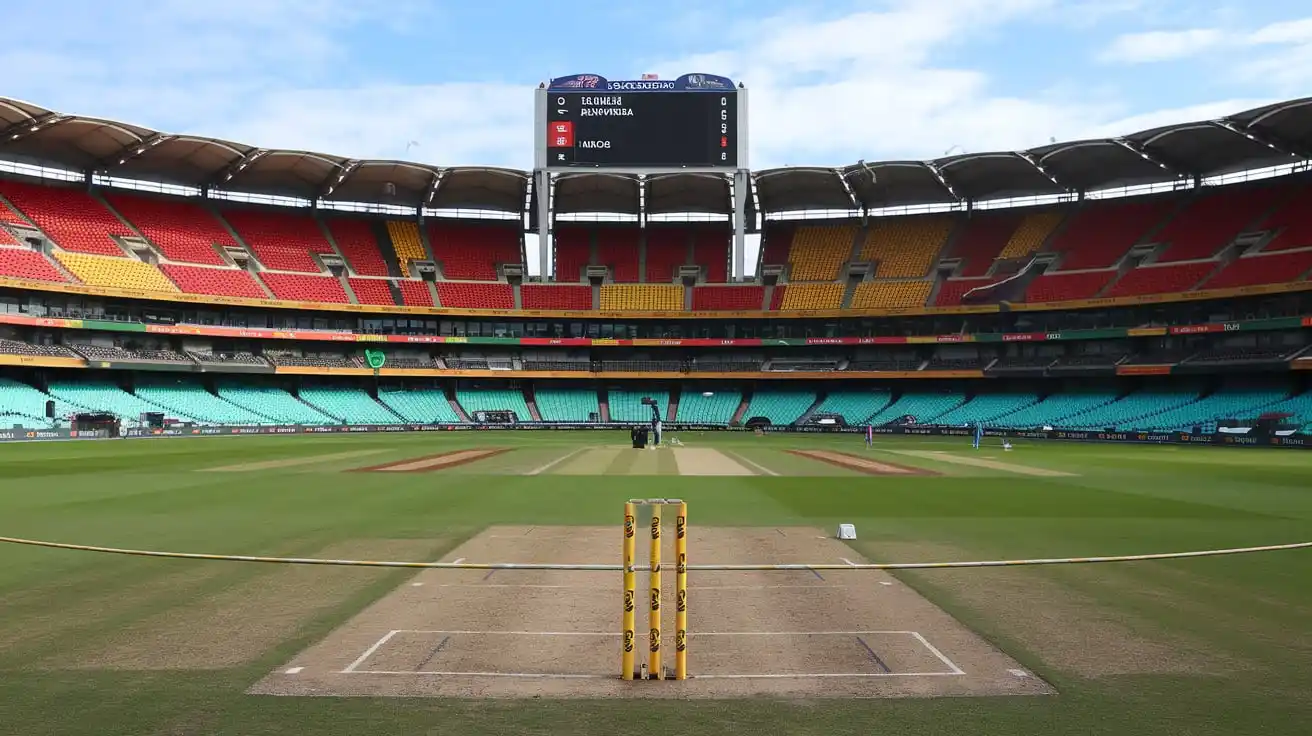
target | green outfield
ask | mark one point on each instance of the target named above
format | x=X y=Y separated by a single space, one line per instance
x=101 y=644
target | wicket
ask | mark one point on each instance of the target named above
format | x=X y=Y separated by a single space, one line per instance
x=654 y=668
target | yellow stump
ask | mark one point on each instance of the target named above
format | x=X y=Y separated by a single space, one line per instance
x=630 y=590
x=654 y=622
x=681 y=593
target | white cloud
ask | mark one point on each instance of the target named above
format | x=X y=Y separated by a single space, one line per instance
x=1152 y=46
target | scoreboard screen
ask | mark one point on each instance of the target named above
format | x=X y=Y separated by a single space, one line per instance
x=692 y=122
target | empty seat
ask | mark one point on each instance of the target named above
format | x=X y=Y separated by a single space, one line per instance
x=466 y=295
x=573 y=250
x=372 y=291
x=642 y=297
x=538 y=296
x=1057 y=287
x=415 y=293
x=710 y=250
x=1262 y=269
x=214 y=281
x=981 y=240
x=617 y=248
x=1101 y=233
x=357 y=244
x=1170 y=279
x=114 y=272
x=818 y=251
x=891 y=294
x=733 y=298
x=813 y=296
x=473 y=252
x=1030 y=235
x=305 y=288
x=281 y=240
x=20 y=263
x=953 y=291
x=905 y=247
x=1212 y=221
x=183 y=231
x=71 y=217
x=667 y=249
x=407 y=243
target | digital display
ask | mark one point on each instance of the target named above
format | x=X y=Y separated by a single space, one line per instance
x=637 y=129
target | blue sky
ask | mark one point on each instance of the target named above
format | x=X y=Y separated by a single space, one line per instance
x=830 y=81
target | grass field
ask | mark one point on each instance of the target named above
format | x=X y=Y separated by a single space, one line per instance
x=101 y=644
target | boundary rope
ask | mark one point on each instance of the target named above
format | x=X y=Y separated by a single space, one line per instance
x=619 y=568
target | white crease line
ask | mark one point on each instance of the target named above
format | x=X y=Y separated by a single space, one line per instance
x=294 y=671
x=740 y=458
x=593 y=587
x=554 y=463
x=821 y=675
x=568 y=676
x=934 y=651
x=691 y=634
x=370 y=651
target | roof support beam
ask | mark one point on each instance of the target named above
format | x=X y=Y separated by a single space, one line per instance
x=130 y=152
x=938 y=174
x=335 y=178
x=1270 y=140
x=234 y=168
x=20 y=130
x=439 y=176
x=1177 y=170
x=1032 y=160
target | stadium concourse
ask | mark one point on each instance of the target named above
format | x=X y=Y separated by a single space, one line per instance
x=195 y=307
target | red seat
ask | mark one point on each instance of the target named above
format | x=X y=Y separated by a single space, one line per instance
x=1292 y=223
x=538 y=296
x=1211 y=222
x=776 y=243
x=473 y=252
x=981 y=240
x=415 y=293
x=952 y=290
x=71 y=217
x=19 y=263
x=710 y=250
x=214 y=281
x=466 y=295
x=617 y=247
x=1276 y=268
x=372 y=291
x=183 y=231
x=297 y=287
x=667 y=249
x=1099 y=235
x=280 y=240
x=1060 y=287
x=729 y=298
x=1170 y=279
x=777 y=298
x=573 y=246
x=355 y=239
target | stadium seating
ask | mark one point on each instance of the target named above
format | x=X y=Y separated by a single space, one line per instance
x=103 y=396
x=187 y=398
x=565 y=404
x=23 y=405
x=617 y=248
x=538 y=296
x=1031 y=234
x=925 y=407
x=1291 y=222
x=573 y=250
x=812 y=296
x=407 y=243
x=357 y=244
x=282 y=241
x=776 y=243
x=473 y=252
x=372 y=291
x=1212 y=221
x=420 y=406
x=182 y=231
x=1057 y=287
x=214 y=281
x=275 y=404
x=855 y=406
x=642 y=297
x=71 y=217
x=781 y=407
x=1168 y=279
x=981 y=240
x=1224 y=404
x=415 y=293
x=730 y=298
x=474 y=400
x=305 y=288
x=21 y=263
x=627 y=406
x=1270 y=268
x=818 y=251
x=667 y=249
x=710 y=250
x=985 y=409
x=1126 y=413
x=718 y=408
x=119 y=273
x=1054 y=410
x=905 y=247
x=1101 y=233
x=475 y=296
x=891 y=294
x=348 y=405
x=951 y=292
x=5 y=237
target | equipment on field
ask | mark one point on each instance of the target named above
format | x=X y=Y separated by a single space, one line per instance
x=653 y=668
x=847 y=531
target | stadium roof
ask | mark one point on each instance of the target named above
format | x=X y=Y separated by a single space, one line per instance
x=1267 y=136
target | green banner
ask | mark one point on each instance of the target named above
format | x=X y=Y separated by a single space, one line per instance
x=376 y=358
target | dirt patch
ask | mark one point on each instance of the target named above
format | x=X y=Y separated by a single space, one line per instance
x=1067 y=629
x=983 y=462
x=523 y=634
x=707 y=461
x=434 y=462
x=244 y=622
x=860 y=464
x=291 y=462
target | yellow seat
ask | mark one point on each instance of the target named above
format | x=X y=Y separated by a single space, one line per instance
x=891 y=294
x=812 y=296
x=905 y=247
x=642 y=297
x=1030 y=235
x=118 y=273
x=819 y=251
x=405 y=238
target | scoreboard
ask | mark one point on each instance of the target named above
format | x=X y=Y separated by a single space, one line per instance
x=692 y=123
